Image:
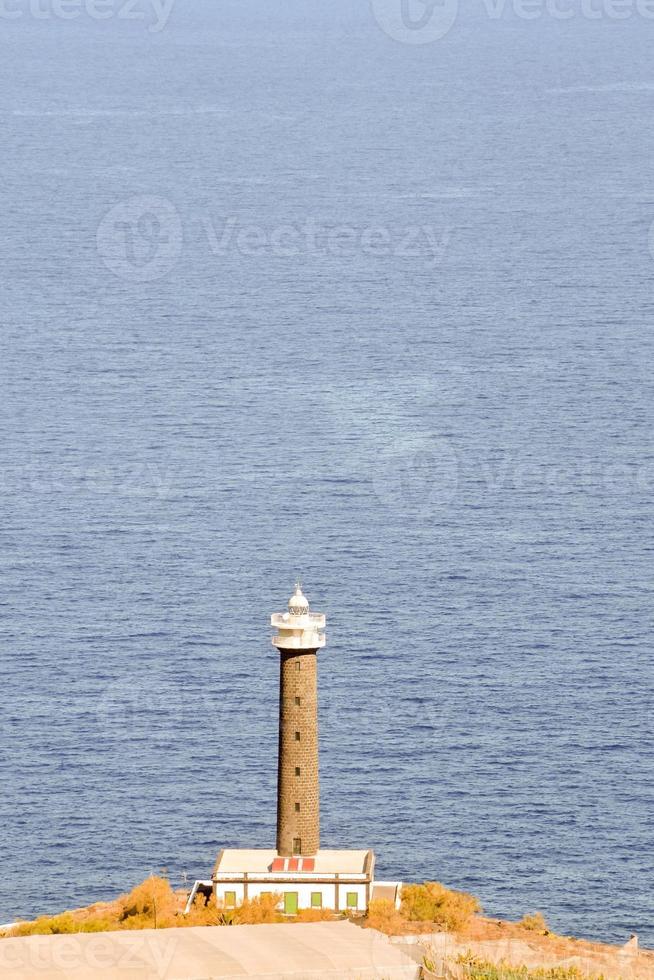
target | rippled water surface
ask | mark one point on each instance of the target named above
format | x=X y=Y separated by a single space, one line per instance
x=284 y=295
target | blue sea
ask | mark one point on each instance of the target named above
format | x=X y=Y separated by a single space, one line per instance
x=357 y=294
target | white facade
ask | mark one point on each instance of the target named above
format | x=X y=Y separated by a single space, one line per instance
x=352 y=896
x=340 y=880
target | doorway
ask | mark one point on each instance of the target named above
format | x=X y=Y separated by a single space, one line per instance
x=290 y=903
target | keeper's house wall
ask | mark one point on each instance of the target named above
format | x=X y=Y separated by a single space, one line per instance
x=231 y=894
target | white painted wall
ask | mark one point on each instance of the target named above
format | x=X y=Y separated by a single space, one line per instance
x=303 y=889
x=230 y=886
x=397 y=890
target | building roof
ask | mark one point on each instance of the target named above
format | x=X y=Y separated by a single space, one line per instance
x=306 y=951
x=260 y=861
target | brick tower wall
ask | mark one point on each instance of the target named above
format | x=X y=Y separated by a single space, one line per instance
x=298 y=715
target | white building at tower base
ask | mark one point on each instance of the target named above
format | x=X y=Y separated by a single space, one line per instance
x=338 y=880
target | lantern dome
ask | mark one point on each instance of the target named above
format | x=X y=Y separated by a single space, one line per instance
x=298 y=604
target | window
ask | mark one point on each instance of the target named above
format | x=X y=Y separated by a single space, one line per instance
x=298 y=701
x=298 y=771
x=316 y=900
x=298 y=664
x=297 y=736
x=352 y=900
x=297 y=807
x=297 y=845
x=230 y=900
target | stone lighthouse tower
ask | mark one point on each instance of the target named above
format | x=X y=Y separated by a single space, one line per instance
x=298 y=639
x=298 y=870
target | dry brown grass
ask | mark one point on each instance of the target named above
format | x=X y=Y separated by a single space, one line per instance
x=316 y=915
x=430 y=907
x=256 y=911
x=474 y=968
x=152 y=904
x=440 y=906
x=535 y=923
x=155 y=901
x=384 y=917
x=543 y=950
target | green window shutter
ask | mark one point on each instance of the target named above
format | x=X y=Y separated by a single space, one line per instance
x=290 y=903
x=230 y=899
x=316 y=900
x=352 y=900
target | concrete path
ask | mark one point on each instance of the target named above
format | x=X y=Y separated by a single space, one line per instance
x=304 y=951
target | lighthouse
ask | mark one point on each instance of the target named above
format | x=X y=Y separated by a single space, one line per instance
x=297 y=870
x=298 y=638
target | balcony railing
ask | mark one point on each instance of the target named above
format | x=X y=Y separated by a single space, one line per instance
x=285 y=620
x=305 y=641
